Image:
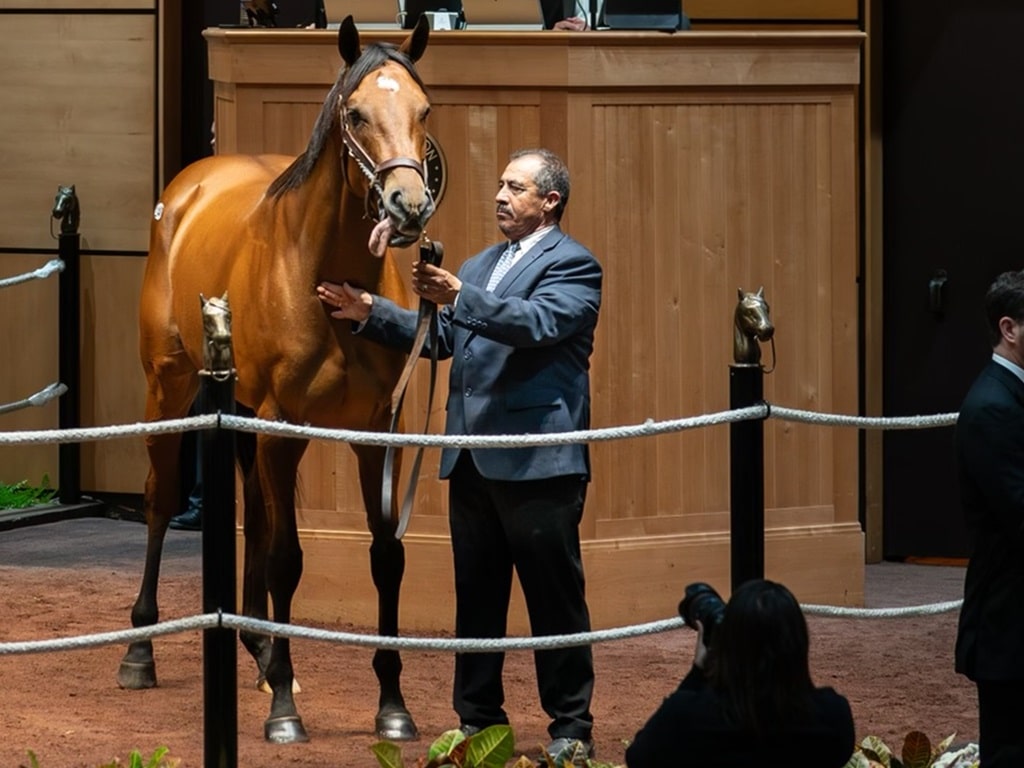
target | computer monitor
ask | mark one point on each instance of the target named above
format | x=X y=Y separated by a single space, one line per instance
x=367 y=14
x=416 y=8
x=503 y=14
x=664 y=15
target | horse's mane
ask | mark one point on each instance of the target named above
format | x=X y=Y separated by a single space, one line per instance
x=373 y=57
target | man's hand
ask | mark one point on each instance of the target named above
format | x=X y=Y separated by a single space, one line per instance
x=435 y=284
x=352 y=303
x=700 y=651
x=572 y=24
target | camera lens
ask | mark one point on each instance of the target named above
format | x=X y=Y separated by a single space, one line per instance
x=702 y=603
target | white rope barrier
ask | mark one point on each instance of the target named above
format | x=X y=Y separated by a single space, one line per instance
x=387 y=642
x=865 y=422
x=42 y=397
x=52 y=266
x=646 y=429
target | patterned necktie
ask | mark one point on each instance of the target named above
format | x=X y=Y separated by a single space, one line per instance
x=503 y=266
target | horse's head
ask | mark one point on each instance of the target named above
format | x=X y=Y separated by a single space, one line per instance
x=751 y=324
x=383 y=108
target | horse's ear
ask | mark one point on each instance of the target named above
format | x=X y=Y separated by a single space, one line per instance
x=416 y=43
x=739 y=293
x=760 y=292
x=348 y=41
x=202 y=300
x=224 y=298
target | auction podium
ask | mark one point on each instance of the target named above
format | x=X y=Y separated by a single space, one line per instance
x=701 y=162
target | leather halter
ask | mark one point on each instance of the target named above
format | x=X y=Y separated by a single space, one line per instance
x=374 y=172
x=426 y=331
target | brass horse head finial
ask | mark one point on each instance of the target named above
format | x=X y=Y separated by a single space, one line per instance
x=751 y=325
x=218 y=353
x=66 y=208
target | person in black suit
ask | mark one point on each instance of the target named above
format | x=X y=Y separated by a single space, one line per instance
x=517 y=322
x=989 y=444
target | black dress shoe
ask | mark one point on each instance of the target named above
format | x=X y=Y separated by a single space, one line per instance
x=189 y=520
x=562 y=750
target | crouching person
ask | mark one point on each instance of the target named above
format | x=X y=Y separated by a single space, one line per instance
x=748 y=699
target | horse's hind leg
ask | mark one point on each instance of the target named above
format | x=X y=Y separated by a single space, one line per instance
x=387 y=566
x=277 y=463
x=162 y=496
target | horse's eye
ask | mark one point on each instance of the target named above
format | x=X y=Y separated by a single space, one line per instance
x=355 y=119
x=425 y=115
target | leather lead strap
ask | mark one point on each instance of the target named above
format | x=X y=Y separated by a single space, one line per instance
x=426 y=326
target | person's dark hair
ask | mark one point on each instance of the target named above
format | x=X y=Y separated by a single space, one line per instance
x=552 y=176
x=1005 y=298
x=759 y=662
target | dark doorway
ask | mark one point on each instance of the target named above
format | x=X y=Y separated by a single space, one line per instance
x=953 y=163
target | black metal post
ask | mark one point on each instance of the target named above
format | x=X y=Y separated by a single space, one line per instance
x=592 y=21
x=220 y=647
x=69 y=482
x=746 y=476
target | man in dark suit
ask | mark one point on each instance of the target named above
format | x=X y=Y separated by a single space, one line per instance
x=990 y=459
x=518 y=323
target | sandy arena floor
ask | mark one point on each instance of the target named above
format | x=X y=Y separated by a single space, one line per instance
x=81 y=576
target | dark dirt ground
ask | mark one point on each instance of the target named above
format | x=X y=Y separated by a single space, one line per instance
x=81 y=576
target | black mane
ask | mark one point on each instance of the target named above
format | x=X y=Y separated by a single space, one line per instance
x=373 y=57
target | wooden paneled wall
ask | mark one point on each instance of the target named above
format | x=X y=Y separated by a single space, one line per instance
x=79 y=102
x=701 y=163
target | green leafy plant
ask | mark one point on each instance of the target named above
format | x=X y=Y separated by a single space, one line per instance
x=492 y=747
x=917 y=752
x=159 y=759
x=22 y=495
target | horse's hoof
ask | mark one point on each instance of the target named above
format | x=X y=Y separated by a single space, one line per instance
x=396 y=726
x=284 y=730
x=263 y=685
x=136 y=675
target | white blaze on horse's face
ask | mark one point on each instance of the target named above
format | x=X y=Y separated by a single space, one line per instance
x=386 y=83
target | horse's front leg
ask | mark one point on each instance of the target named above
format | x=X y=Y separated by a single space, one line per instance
x=162 y=492
x=387 y=566
x=277 y=462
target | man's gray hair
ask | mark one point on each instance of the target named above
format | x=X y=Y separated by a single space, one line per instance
x=553 y=176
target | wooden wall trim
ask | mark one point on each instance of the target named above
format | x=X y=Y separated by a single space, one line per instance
x=628 y=60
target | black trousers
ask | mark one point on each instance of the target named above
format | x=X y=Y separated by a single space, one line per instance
x=1000 y=721
x=532 y=526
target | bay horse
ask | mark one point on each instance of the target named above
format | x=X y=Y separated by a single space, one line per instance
x=265 y=230
x=751 y=325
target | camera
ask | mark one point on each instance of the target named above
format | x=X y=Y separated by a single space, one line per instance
x=701 y=603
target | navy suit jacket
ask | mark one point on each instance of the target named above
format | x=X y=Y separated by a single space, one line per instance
x=990 y=460
x=520 y=355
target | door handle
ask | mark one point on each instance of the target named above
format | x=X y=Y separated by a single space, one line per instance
x=936 y=292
